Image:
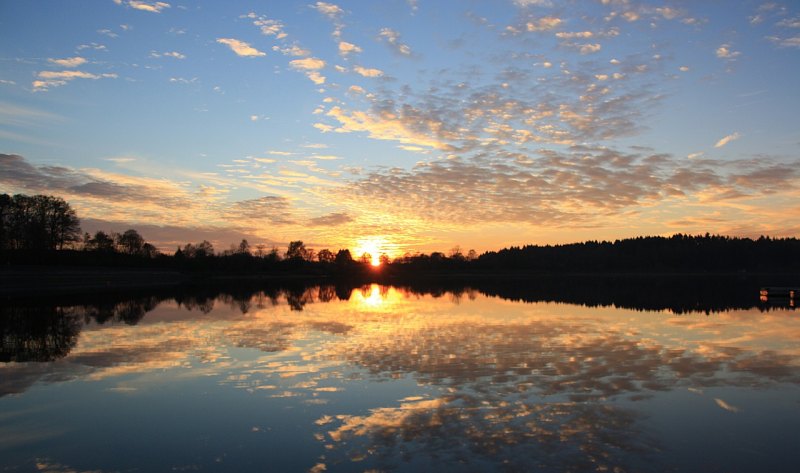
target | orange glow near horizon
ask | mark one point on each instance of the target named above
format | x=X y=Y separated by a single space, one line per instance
x=374 y=246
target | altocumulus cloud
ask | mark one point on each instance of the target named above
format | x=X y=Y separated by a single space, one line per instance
x=337 y=218
x=552 y=188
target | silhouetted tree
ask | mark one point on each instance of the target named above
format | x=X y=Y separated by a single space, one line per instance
x=38 y=222
x=244 y=247
x=149 y=251
x=343 y=257
x=200 y=250
x=296 y=250
x=326 y=256
x=102 y=242
x=130 y=242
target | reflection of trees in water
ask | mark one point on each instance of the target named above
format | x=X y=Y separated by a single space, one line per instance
x=541 y=395
x=127 y=311
x=33 y=332
x=679 y=294
x=38 y=334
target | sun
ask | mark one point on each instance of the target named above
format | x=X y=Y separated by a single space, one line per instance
x=373 y=246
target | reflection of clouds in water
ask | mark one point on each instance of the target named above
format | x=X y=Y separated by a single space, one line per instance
x=515 y=434
x=505 y=387
x=540 y=386
x=725 y=405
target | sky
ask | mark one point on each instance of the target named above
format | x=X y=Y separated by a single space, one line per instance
x=405 y=125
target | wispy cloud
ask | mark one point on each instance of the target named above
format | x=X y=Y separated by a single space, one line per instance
x=50 y=79
x=172 y=54
x=69 y=62
x=392 y=38
x=727 y=139
x=331 y=219
x=387 y=126
x=530 y=3
x=268 y=26
x=241 y=48
x=546 y=23
x=152 y=7
x=785 y=42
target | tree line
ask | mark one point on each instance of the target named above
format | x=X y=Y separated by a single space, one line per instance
x=45 y=229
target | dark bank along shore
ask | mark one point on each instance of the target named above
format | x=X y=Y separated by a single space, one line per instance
x=32 y=280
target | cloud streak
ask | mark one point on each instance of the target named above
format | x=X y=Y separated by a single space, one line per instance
x=727 y=139
x=241 y=48
x=152 y=7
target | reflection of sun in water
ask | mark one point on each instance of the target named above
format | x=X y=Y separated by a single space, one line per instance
x=374 y=298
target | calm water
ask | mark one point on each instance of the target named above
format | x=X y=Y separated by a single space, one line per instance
x=386 y=379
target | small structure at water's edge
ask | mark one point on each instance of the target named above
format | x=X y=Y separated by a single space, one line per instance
x=780 y=295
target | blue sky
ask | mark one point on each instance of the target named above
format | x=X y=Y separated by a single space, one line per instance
x=401 y=125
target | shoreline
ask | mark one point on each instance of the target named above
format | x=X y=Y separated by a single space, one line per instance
x=54 y=280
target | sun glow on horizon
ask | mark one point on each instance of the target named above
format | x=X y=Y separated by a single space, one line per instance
x=372 y=246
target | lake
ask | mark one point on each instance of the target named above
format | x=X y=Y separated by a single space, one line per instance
x=547 y=375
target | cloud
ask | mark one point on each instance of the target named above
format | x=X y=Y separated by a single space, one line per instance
x=172 y=54
x=175 y=205
x=727 y=139
x=725 y=52
x=793 y=42
x=346 y=48
x=385 y=125
x=546 y=23
x=94 y=46
x=330 y=10
x=631 y=16
x=574 y=34
x=108 y=33
x=50 y=79
x=241 y=48
x=152 y=7
x=367 y=72
x=392 y=38
x=306 y=64
x=268 y=26
x=293 y=50
x=790 y=22
x=272 y=209
x=589 y=48
x=69 y=62
x=331 y=219
x=583 y=187
x=530 y=3
x=311 y=67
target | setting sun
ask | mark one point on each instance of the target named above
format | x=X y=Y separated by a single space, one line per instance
x=373 y=247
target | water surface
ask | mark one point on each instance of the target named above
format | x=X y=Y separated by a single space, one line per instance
x=380 y=378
